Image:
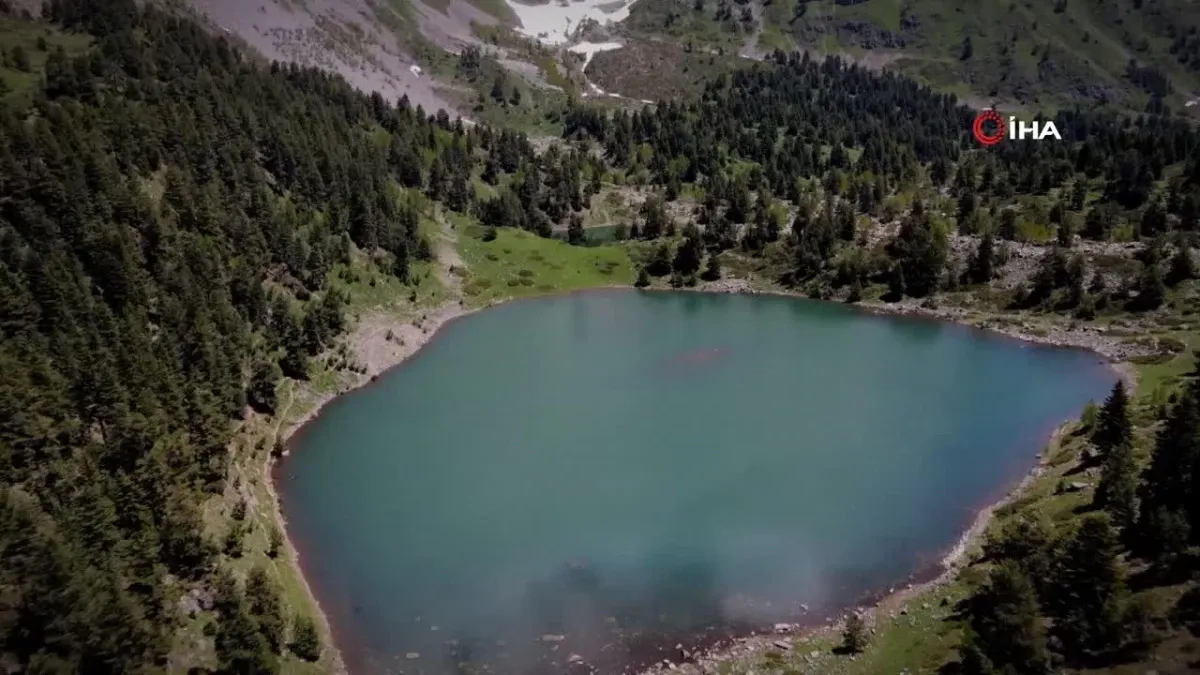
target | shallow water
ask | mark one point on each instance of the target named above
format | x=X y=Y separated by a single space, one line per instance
x=619 y=467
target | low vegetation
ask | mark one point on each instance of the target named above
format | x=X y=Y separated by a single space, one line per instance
x=506 y=263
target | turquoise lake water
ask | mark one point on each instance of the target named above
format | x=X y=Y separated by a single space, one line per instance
x=606 y=474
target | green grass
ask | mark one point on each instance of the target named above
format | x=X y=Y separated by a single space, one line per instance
x=25 y=34
x=519 y=264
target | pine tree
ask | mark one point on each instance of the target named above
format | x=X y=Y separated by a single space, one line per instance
x=689 y=252
x=896 y=284
x=1029 y=542
x=266 y=607
x=659 y=264
x=306 y=641
x=274 y=541
x=854 y=634
x=575 y=230
x=1113 y=426
x=240 y=647
x=980 y=270
x=1005 y=621
x=261 y=393
x=1089 y=592
x=643 y=278
x=1116 y=492
x=1182 y=266
x=712 y=270
x=1168 y=511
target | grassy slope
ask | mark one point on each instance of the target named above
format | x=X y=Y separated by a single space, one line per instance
x=15 y=32
x=1024 y=52
x=518 y=264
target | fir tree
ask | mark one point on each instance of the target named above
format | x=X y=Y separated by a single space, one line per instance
x=1005 y=623
x=854 y=634
x=980 y=270
x=306 y=641
x=1113 y=426
x=1089 y=592
x=1116 y=492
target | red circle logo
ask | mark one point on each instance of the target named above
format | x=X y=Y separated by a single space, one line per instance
x=980 y=130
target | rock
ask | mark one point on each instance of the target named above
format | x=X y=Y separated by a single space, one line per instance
x=1077 y=486
x=411 y=656
x=548 y=637
x=803 y=607
x=783 y=627
x=574 y=658
x=814 y=654
x=925 y=605
x=782 y=644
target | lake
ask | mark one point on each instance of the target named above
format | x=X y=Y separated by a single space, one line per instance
x=590 y=478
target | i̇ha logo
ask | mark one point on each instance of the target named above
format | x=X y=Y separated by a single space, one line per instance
x=990 y=128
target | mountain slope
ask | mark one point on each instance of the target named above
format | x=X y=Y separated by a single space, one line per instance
x=1026 y=53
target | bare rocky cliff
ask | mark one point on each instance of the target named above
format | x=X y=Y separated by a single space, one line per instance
x=362 y=40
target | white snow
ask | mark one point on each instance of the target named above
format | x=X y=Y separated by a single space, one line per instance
x=553 y=23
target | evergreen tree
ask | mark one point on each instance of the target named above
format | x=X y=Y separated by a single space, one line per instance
x=1089 y=593
x=1028 y=542
x=306 y=641
x=575 y=234
x=854 y=634
x=1116 y=492
x=1169 y=493
x=712 y=271
x=240 y=646
x=1151 y=289
x=266 y=608
x=689 y=252
x=1113 y=426
x=659 y=264
x=261 y=393
x=1182 y=266
x=981 y=268
x=1005 y=624
x=274 y=541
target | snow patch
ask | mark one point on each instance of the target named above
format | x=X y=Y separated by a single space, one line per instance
x=553 y=23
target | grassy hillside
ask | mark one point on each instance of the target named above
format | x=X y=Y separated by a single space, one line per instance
x=1026 y=53
x=24 y=48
